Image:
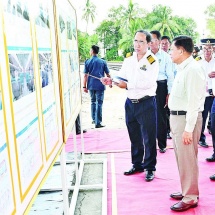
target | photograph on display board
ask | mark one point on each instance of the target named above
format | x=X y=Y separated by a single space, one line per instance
x=43 y=37
x=22 y=75
x=17 y=9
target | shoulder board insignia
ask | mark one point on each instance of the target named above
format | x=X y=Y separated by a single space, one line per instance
x=198 y=58
x=151 y=59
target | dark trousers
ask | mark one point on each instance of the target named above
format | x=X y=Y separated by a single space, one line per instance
x=97 y=97
x=161 y=94
x=207 y=110
x=78 y=124
x=141 y=121
x=167 y=120
x=213 y=126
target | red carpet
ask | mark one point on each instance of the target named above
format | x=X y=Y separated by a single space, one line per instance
x=132 y=195
x=104 y=141
x=136 y=196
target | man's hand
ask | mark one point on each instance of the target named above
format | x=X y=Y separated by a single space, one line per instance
x=121 y=84
x=211 y=75
x=106 y=81
x=187 y=137
x=167 y=98
x=85 y=90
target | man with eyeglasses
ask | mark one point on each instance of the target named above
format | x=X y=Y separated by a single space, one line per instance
x=139 y=75
x=164 y=82
x=207 y=62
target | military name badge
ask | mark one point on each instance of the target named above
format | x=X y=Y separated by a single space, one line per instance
x=143 y=67
x=150 y=59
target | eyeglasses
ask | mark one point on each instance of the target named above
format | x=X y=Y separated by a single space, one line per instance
x=207 y=49
x=139 y=42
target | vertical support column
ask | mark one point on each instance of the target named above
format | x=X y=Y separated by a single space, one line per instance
x=64 y=182
x=82 y=137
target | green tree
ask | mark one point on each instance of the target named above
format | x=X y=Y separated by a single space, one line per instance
x=210 y=12
x=89 y=12
x=161 y=19
x=187 y=27
x=109 y=36
x=126 y=43
x=84 y=44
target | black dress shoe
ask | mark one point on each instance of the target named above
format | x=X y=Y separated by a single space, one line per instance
x=162 y=150
x=149 y=175
x=181 y=206
x=211 y=159
x=177 y=196
x=84 y=131
x=168 y=136
x=212 y=177
x=133 y=171
x=99 y=126
x=203 y=144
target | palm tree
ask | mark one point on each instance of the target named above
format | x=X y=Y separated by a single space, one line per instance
x=126 y=43
x=132 y=12
x=161 y=20
x=89 y=12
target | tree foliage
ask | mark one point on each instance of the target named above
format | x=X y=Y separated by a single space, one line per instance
x=210 y=12
x=161 y=19
x=84 y=44
x=115 y=34
x=109 y=37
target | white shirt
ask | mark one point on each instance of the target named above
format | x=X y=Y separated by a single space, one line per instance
x=141 y=75
x=208 y=67
x=188 y=91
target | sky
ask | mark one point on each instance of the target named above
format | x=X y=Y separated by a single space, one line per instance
x=185 y=8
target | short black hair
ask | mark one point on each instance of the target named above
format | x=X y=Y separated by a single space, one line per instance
x=185 y=42
x=148 y=35
x=166 y=38
x=157 y=33
x=95 y=49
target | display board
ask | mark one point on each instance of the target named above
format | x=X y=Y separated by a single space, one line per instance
x=40 y=95
x=69 y=63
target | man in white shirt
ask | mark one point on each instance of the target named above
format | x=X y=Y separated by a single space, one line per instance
x=139 y=75
x=207 y=62
x=164 y=82
x=186 y=103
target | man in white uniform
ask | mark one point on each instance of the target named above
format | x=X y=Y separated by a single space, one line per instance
x=139 y=75
x=207 y=62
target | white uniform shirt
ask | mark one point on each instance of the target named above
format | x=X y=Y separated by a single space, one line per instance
x=166 y=69
x=188 y=91
x=208 y=67
x=141 y=75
